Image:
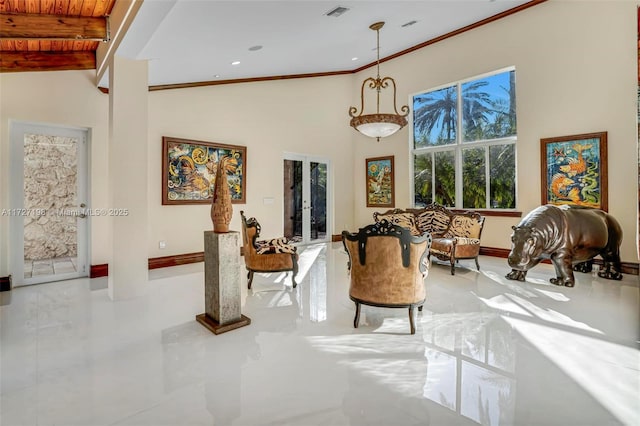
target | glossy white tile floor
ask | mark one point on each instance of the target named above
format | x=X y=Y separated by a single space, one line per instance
x=486 y=351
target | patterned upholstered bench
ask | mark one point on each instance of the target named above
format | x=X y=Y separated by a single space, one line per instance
x=456 y=235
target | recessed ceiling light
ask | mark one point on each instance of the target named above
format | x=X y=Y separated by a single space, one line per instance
x=354 y=59
x=235 y=63
x=216 y=76
x=254 y=48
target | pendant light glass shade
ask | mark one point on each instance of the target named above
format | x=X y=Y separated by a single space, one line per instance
x=378 y=125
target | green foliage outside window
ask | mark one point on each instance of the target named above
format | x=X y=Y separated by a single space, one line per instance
x=479 y=115
x=422 y=179
x=445 y=178
x=473 y=178
x=503 y=176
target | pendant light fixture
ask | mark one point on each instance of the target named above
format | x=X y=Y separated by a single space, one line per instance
x=378 y=125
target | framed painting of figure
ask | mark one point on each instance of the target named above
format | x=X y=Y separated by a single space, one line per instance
x=380 y=185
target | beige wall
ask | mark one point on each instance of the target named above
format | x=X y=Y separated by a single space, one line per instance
x=67 y=98
x=305 y=116
x=575 y=73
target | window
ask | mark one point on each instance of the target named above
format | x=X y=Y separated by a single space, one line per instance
x=463 y=143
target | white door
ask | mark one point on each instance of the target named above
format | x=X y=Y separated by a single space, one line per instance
x=306 y=198
x=48 y=199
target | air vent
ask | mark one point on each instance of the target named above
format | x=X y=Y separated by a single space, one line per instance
x=337 y=11
x=408 y=24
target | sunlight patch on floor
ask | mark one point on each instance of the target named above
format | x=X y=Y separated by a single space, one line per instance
x=404 y=376
x=551 y=316
x=607 y=371
x=514 y=286
x=515 y=304
x=503 y=303
x=367 y=344
x=557 y=296
x=306 y=259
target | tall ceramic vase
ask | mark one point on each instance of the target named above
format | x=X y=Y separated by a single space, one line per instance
x=221 y=209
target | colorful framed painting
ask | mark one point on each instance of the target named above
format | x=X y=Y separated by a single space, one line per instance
x=189 y=171
x=380 y=185
x=574 y=170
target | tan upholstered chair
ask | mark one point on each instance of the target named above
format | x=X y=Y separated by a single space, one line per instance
x=388 y=267
x=275 y=255
x=461 y=239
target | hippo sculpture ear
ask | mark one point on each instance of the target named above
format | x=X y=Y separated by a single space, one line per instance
x=513 y=227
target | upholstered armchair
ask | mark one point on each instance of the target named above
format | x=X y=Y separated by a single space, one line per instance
x=388 y=267
x=275 y=255
x=461 y=239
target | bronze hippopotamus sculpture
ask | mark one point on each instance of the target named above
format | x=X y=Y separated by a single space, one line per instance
x=568 y=235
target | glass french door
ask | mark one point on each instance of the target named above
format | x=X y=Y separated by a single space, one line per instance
x=48 y=215
x=306 y=197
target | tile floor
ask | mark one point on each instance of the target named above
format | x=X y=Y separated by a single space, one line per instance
x=57 y=266
x=486 y=351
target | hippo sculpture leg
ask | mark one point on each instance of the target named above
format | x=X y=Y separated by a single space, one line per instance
x=517 y=275
x=584 y=267
x=568 y=236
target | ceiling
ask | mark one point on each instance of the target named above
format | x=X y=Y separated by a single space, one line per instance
x=31 y=42
x=196 y=41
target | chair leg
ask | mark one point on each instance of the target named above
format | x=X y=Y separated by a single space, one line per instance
x=250 y=279
x=295 y=270
x=453 y=266
x=477 y=264
x=413 y=327
x=356 y=320
x=420 y=308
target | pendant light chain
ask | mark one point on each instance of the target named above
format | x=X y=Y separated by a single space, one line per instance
x=378 y=125
x=378 y=82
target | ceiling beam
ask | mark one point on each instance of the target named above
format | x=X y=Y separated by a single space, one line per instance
x=47 y=61
x=122 y=15
x=53 y=27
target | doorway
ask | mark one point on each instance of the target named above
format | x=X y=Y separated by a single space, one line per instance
x=306 y=198
x=48 y=214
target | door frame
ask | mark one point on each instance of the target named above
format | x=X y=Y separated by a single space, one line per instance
x=16 y=199
x=306 y=160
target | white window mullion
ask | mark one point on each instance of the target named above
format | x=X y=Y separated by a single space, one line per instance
x=487 y=177
x=458 y=152
x=433 y=175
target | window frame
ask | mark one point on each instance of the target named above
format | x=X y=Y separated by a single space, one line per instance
x=459 y=146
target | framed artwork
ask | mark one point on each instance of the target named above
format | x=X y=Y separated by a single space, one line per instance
x=189 y=171
x=380 y=185
x=574 y=170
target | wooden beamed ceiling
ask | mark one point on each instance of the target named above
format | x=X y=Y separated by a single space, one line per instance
x=47 y=35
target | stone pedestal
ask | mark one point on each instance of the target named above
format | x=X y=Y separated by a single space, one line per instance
x=222 y=283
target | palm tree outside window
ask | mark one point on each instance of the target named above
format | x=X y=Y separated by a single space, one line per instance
x=463 y=143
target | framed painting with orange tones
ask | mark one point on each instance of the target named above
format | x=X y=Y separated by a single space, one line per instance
x=189 y=169
x=380 y=185
x=574 y=170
